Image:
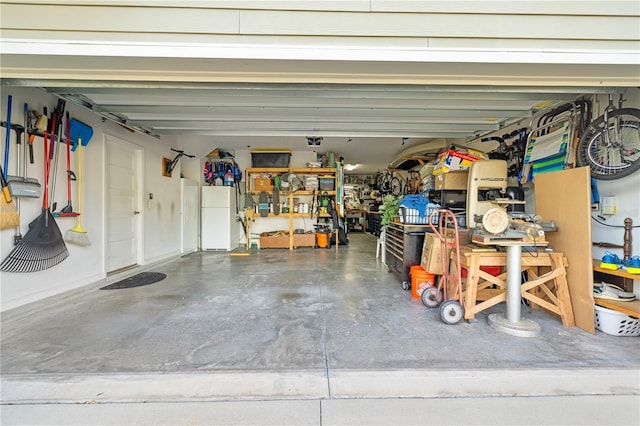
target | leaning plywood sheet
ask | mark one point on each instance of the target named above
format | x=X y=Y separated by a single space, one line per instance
x=565 y=197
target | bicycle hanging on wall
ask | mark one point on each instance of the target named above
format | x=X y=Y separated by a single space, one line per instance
x=611 y=144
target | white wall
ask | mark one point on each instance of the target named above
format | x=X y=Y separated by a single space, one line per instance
x=161 y=221
x=627 y=195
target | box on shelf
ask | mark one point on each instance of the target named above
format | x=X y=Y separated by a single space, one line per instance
x=431 y=259
x=326 y=184
x=304 y=240
x=451 y=160
x=311 y=182
x=270 y=158
x=274 y=241
x=453 y=180
x=262 y=183
x=282 y=241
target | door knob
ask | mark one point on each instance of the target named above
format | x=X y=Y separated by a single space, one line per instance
x=136 y=212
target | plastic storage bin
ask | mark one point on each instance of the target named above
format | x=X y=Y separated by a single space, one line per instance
x=616 y=323
x=278 y=159
x=413 y=216
x=326 y=184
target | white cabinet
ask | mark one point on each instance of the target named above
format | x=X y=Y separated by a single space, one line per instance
x=219 y=228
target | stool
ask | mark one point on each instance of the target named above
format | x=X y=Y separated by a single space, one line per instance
x=254 y=242
x=548 y=291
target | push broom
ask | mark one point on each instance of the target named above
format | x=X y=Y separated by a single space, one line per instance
x=80 y=133
x=9 y=217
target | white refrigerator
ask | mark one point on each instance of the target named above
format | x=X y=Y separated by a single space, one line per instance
x=219 y=228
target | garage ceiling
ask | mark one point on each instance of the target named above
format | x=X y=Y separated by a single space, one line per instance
x=230 y=109
x=366 y=123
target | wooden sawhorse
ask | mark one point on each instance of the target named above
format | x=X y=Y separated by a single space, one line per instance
x=548 y=291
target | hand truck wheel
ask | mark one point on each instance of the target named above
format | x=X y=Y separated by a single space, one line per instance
x=431 y=297
x=451 y=312
x=405 y=285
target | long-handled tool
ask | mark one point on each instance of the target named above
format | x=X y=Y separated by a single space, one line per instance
x=80 y=134
x=41 y=125
x=7 y=139
x=21 y=185
x=42 y=247
x=68 y=209
x=57 y=138
x=9 y=217
x=78 y=235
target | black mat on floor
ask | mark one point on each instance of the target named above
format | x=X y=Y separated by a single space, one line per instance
x=143 y=278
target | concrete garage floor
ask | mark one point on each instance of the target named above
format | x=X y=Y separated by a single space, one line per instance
x=309 y=337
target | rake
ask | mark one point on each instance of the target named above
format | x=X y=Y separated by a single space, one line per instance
x=42 y=247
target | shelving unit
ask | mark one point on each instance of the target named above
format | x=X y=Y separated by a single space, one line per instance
x=323 y=172
x=628 y=308
x=355 y=220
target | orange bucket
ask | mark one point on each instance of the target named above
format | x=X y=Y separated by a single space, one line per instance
x=322 y=239
x=420 y=279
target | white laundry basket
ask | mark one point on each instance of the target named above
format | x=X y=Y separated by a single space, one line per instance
x=616 y=323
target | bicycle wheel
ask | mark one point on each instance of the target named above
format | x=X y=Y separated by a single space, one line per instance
x=395 y=186
x=615 y=154
x=385 y=186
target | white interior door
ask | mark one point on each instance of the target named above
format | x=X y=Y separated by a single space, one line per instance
x=123 y=213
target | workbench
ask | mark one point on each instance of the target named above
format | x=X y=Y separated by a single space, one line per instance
x=548 y=291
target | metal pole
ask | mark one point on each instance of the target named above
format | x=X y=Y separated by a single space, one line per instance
x=513 y=283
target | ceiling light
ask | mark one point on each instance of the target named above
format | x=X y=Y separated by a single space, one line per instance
x=350 y=167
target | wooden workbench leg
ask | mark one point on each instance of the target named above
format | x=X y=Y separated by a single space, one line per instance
x=562 y=292
x=473 y=276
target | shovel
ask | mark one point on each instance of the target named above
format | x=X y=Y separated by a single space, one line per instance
x=79 y=131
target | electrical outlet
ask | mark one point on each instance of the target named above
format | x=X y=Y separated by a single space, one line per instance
x=608 y=205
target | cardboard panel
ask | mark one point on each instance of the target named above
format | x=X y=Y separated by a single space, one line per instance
x=452 y=180
x=565 y=197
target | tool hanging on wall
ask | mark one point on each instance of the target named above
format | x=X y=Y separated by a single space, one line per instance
x=80 y=134
x=21 y=185
x=9 y=217
x=42 y=122
x=42 y=247
x=57 y=138
x=7 y=139
x=67 y=210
